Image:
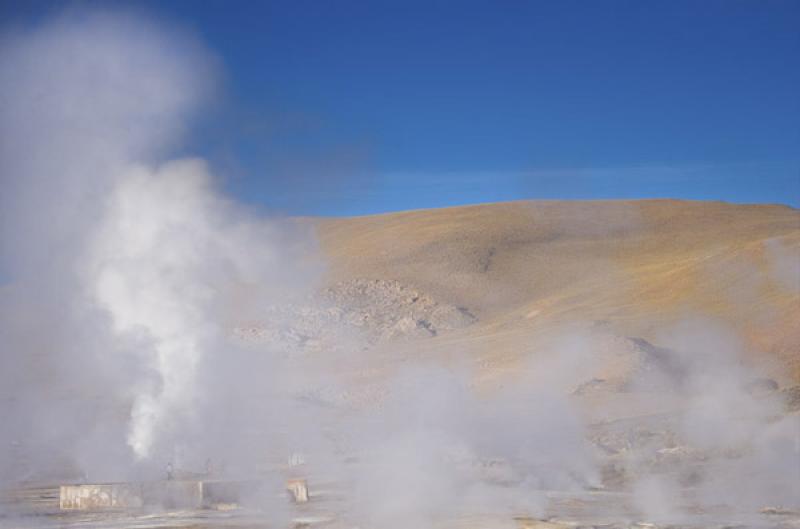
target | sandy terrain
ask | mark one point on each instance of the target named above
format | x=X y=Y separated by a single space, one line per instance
x=633 y=266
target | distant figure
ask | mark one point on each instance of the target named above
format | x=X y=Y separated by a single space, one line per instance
x=208 y=466
x=169 y=471
x=296 y=459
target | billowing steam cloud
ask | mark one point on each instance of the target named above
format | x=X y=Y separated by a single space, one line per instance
x=124 y=273
x=166 y=261
x=121 y=270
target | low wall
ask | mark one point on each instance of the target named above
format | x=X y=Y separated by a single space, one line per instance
x=177 y=494
x=167 y=494
x=100 y=496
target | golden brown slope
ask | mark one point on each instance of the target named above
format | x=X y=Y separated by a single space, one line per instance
x=635 y=264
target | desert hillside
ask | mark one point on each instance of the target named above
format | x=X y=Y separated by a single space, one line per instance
x=576 y=353
x=632 y=267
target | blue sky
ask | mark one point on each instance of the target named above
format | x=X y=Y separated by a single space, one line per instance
x=339 y=107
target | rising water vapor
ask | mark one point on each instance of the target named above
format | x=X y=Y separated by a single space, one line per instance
x=121 y=270
x=126 y=276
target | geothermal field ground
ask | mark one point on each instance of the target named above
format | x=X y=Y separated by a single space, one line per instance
x=199 y=329
x=545 y=364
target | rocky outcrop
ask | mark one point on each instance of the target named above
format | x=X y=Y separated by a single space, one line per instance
x=361 y=312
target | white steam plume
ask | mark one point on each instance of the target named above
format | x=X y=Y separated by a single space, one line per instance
x=133 y=266
x=123 y=273
x=167 y=260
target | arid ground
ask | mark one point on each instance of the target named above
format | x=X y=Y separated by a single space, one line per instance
x=668 y=330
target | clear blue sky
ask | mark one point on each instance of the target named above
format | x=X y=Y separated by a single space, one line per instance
x=340 y=107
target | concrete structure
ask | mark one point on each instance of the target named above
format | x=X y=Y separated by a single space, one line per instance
x=298 y=489
x=171 y=494
x=100 y=496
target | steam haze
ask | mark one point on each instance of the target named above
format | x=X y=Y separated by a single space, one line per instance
x=504 y=361
x=121 y=270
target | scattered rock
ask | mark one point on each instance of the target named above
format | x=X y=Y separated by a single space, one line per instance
x=778 y=511
x=630 y=364
x=791 y=398
x=533 y=523
x=761 y=387
x=361 y=311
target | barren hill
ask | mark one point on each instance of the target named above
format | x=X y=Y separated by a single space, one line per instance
x=634 y=267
